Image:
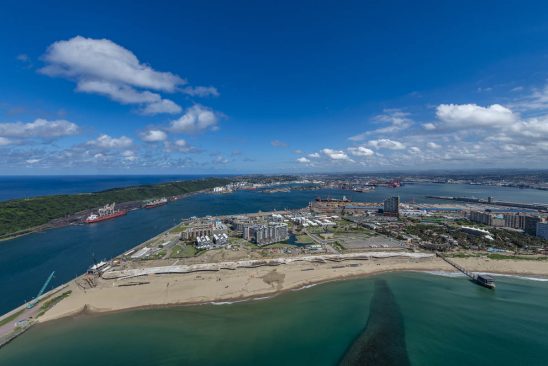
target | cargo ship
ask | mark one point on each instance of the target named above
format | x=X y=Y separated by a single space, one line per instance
x=329 y=199
x=155 y=203
x=106 y=213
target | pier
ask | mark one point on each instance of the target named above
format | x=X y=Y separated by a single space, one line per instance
x=483 y=280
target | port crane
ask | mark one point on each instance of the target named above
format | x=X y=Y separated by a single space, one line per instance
x=33 y=302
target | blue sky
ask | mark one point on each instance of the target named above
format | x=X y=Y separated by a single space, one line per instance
x=271 y=87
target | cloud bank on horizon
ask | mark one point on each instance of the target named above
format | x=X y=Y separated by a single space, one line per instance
x=166 y=124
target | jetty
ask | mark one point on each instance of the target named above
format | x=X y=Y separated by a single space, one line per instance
x=480 y=279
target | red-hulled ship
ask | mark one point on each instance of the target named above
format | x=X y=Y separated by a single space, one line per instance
x=155 y=203
x=106 y=213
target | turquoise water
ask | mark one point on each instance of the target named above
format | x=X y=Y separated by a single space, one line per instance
x=26 y=262
x=444 y=321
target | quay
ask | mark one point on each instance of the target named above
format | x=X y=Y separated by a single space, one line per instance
x=530 y=206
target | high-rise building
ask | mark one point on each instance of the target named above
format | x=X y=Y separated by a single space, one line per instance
x=542 y=230
x=515 y=220
x=481 y=217
x=486 y=218
x=392 y=206
x=262 y=234
x=531 y=224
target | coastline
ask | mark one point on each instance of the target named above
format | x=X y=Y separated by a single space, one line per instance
x=244 y=284
x=53 y=224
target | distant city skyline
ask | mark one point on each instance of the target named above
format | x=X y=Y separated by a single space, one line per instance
x=257 y=87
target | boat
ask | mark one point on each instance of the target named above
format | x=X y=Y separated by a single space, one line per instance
x=484 y=280
x=364 y=189
x=329 y=199
x=105 y=213
x=155 y=203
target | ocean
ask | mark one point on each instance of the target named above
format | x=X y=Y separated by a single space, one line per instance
x=387 y=319
x=27 y=261
x=12 y=187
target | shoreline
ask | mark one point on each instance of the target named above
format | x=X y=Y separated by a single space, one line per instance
x=53 y=224
x=201 y=288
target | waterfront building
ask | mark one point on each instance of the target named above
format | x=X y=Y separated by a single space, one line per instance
x=201 y=228
x=204 y=242
x=270 y=233
x=531 y=224
x=487 y=218
x=392 y=206
x=542 y=230
x=515 y=220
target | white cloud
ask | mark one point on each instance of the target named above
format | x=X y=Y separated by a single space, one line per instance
x=153 y=136
x=429 y=126
x=361 y=151
x=4 y=141
x=314 y=155
x=201 y=91
x=336 y=154
x=220 y=160
x=197 y=118
x=303 y=160
x=40 y=128
x=278 y=143
x=100 y=66
x=414 y=150
x=462 y=116
x=433 y=145
x=102 y=59
x=386 y=144
x=396 y=120
x=129 y=155
x=108 y=142
x=161 y=106
x=183 y=146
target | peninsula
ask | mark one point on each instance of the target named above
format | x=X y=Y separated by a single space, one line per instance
x=22 y=216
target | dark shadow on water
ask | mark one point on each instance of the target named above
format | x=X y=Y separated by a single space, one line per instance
x=382 y=342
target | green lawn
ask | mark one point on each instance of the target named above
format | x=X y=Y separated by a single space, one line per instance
x=304 y=239
x=183 y=252
x=11 y=317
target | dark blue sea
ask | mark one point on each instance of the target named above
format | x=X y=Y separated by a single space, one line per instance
x=12 y=187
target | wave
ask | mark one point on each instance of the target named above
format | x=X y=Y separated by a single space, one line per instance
x=304 y=287
x=446 y=274
x=261 y=298
x=226 y=302
x=459 y=274
x=539 y=279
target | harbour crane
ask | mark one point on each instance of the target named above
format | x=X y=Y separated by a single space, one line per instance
x=33 y=302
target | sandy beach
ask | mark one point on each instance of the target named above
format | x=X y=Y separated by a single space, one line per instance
x=224 y=285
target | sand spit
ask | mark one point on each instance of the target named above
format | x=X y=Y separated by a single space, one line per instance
x=236 y=281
